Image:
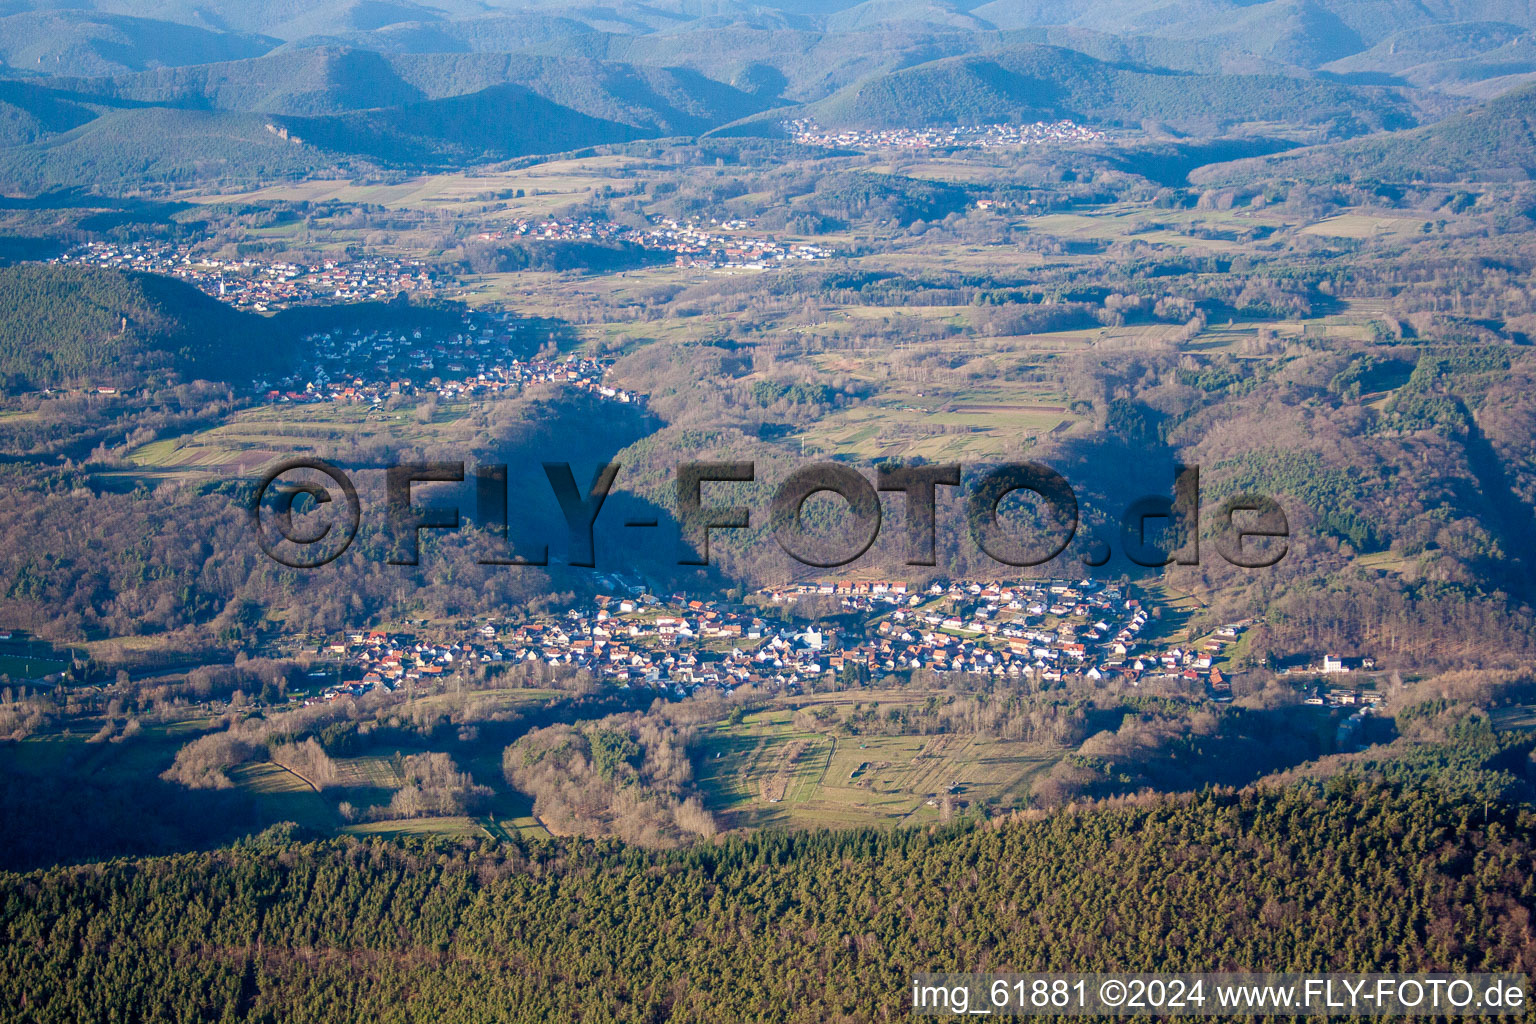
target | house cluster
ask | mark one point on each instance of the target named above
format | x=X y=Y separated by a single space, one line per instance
x=721 y=244
x=700 y=246
x=1002 y=205
x=673 y=645
x=974 y=136
x=1332 y=697
x=1046 y=631
x=1332 y=665
x=562 y=229
x=369 y=278
x=477 y=359
x=262 y=284
x=380 y=660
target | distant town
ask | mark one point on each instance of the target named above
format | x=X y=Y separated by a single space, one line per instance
x=267 y=285
x=721 y=244
x=974 y=136
x=480 y=358
x=263 y=285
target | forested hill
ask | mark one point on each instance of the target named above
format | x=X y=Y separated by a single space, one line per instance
x=1493 y=142
x=813 y=927
x=1027 y=83
x=87 y=326
x=332 y=109
x=1376 y=34
x=97 y=42
x=334 y=80
x=307 y=111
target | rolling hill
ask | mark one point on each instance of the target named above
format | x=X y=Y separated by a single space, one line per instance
x=873 y=13
x=1410 y=48
x=1041 y=82
x=1302 y=33
x=654 y=100
x=312 y=82
x=1246 y=34
x=306 y=110
x=319 y=81
x=1481 y=59
x=124 y=148
x=76 y=326
x=1306 y=32
x=64 y=42
x=498 y=123
x=812 y=64
x=30 y=112
x=151 y=88
x=489 y=34
x=283 y=19
x=1494 y=142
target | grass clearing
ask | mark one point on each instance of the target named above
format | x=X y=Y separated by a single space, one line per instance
x=371 y=771
x=547 y=188
x=1359 y=225
x=1518 y=716
x=768 y=771
x=285 y=796
x=17 y=667
x=450 y=827
x=977 y=410
x=260 y=436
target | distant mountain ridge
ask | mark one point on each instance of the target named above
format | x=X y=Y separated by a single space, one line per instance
x=219 y=90
x=334 y=81
x=302 y=111
x=1309 y=34
x=70 y=42
x=123 y=148
x=29 y=112
x=1044 y=82
x=1493 y=142
x=497 y=123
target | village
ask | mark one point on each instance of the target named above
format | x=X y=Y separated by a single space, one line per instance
x=269 y=285
x=477 y=359
x=718 y=246
x=1043 y=632
x=260 y=285
x=976 y=136
x=697 y=246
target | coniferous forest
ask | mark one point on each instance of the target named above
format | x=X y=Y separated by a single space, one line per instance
x=813 y=927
